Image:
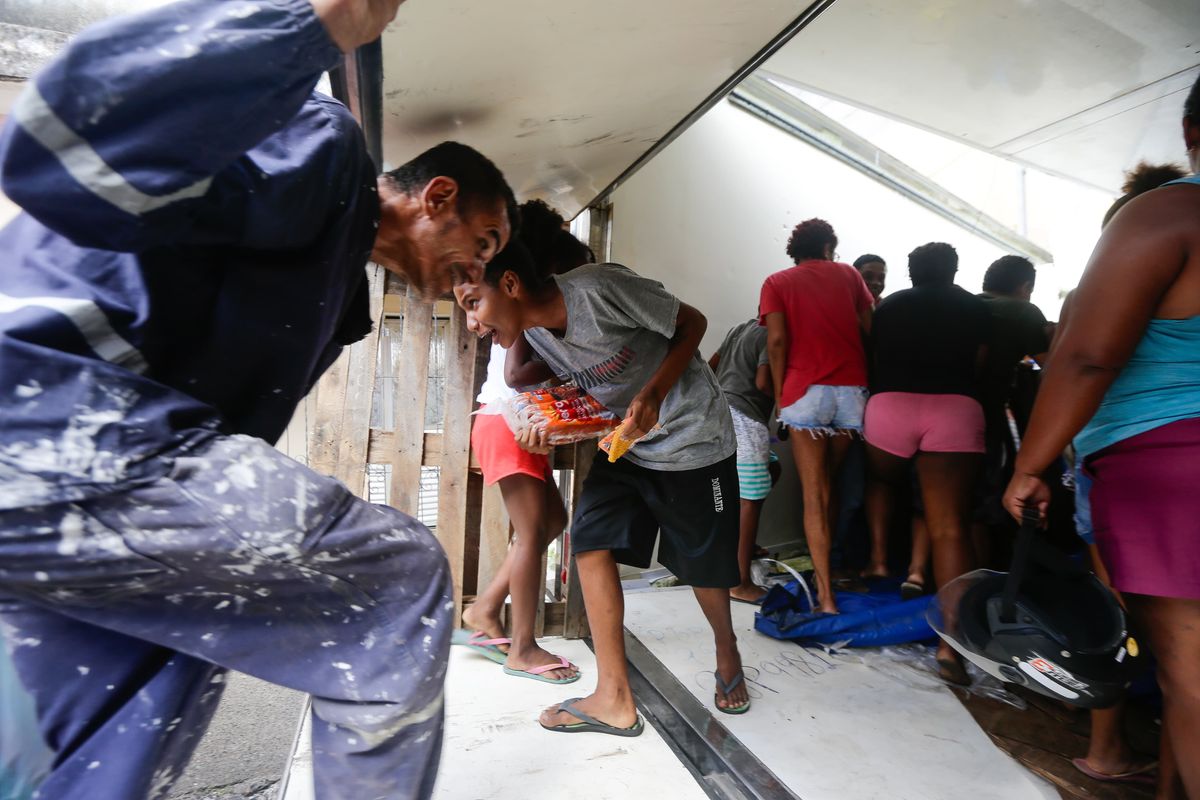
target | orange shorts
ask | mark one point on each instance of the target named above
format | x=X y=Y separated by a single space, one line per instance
x=498 y=454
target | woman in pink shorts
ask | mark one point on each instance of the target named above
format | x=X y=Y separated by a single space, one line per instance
x=926 y=345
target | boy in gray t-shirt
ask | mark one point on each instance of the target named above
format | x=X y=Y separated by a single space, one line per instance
x=632 y=345
x=744 y=374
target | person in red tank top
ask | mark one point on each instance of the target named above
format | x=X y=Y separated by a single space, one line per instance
x=816 y=314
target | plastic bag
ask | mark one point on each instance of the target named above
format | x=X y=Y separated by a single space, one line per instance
x=566 y=413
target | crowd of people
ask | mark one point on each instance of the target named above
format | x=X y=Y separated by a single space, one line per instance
x=176 y=284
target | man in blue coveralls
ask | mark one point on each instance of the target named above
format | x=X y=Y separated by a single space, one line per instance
x=190 y=259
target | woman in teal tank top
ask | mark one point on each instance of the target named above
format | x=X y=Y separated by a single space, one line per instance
x=1124 y=384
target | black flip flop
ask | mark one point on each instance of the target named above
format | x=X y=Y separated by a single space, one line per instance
x=726 y=688
x=591 y=724
x=910 y=590
x=757 y=602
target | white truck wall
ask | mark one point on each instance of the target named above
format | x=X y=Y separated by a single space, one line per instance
x=710 y=217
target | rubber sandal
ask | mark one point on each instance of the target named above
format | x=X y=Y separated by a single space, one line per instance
x=1141 y=775
x=591 y=724
x=726 y=688
x=538 y=673
x=911 y=590
x=478 y=641
x=757 y=602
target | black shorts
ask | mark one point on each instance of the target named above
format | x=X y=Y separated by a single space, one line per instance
x=623 y=507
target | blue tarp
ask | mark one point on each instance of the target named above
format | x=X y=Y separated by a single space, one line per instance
x=24 y=757
x=875 y=618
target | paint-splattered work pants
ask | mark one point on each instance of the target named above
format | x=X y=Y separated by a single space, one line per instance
x=123 y=612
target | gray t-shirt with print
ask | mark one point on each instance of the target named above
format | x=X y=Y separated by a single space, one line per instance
x=619 y=326
x=741 y=354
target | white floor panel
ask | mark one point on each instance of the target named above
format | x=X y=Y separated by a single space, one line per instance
x=832 y=728
x=495 y=750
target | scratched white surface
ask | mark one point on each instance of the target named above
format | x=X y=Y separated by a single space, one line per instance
x=495 y=750
x=831 y=728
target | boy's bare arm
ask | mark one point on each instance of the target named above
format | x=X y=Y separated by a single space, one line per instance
x=522 y=369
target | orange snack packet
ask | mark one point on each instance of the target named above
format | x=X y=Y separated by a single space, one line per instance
x=617 y=444
x=566 y=413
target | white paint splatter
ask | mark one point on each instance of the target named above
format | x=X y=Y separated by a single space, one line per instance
x=242 y=11
x=242 y=475
x=28 y=390
x=83 y=670
x=429 y=622
x=41 y=577
x=71 y=532
x=93 y=765
x=342 y=665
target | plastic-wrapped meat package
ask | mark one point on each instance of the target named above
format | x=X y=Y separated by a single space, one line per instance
x=565 y=412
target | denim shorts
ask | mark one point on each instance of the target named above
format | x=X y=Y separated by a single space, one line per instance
x=827 y=410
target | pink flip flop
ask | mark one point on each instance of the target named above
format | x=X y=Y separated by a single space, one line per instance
x=1141 y=775
x=478 y=641
x=539 y=673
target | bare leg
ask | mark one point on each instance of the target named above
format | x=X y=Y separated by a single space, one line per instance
x=947 y=480
x=918 y=565
x=612 y=702
x=1173 y=625
x=885 y=472
x=538 y=518
x=715 y=605
x=813 y=462
x=748 y=589
x=1108 y=752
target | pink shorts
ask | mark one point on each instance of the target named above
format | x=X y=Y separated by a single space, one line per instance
x=498 y=454
x=902 y=423
x=1144 y=510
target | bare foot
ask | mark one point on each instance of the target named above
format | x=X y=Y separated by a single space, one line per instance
x=749 y=592
x=951 y=667
x=619 y=712
x=533 y=656
x=874 y=571
x=1127 y=764
x=729 y=664
x=478 y=619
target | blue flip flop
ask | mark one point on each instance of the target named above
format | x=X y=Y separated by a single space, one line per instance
x=480 y=643
x=591 y=724
x=726 y=688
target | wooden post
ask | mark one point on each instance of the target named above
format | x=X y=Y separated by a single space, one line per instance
x=341 y=425
x=412 y=377
x=456 y=446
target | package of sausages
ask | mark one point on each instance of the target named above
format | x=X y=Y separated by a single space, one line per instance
x=566 y=413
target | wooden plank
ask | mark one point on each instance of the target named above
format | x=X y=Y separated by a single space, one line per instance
x=456 y=446
x=474 y=514
x=338 y=446
x=555 y=613
x=575 y=624
x=412 y=375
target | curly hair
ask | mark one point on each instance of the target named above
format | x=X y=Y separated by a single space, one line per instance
x=553 y=248
x=1007 y=274
x=1140 y=180
x=935 y=262
x=809 y=238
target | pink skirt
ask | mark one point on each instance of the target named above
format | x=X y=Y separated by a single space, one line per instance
x=1146 y=510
